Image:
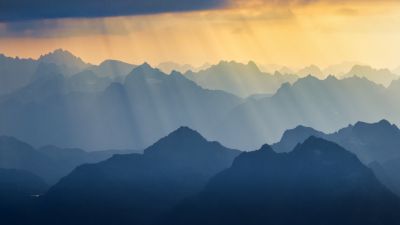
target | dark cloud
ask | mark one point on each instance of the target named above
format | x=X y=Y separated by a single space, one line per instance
x=20 y=10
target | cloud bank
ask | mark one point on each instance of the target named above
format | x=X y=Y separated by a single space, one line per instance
x=22 y=10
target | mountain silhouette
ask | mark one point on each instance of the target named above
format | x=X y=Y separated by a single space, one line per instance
x=312 y=70
x=371 y=142
x=295 y=136
x=379 y=76
x=340 y=69
x=168 y=67
x=240 y=79
x=319 y=182
x=137 y=188
x=69 y=63
x=113 y=69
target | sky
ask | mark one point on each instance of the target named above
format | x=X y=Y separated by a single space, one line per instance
x=287 y=32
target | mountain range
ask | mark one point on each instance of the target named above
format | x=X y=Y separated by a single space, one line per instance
x=239 y=79
x=325 y=105
x=136 y=188
x=376 y=144
x=116 y=105
x=185 y=179
x=50 y=163
x=318 y=182
x=379 y=76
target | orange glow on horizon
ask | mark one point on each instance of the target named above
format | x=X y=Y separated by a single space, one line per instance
x=322 y=34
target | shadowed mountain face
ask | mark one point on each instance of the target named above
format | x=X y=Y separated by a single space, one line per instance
x=319 y=182
x=138 y=188
x=239 y=79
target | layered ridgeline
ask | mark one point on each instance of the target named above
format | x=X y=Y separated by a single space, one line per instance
x=61 y=100
x=137 y=188
x=95 y=112
x=379 y=76
x=326 y=105
x=185 y=179
x=16 y=73
x=239 y=79
x=376 y=144
x=318 y=182
x=49 y=162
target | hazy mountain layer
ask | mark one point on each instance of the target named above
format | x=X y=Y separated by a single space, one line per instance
x=134 y=114
x=239 y=79
x=325 y=105
x=379 y=76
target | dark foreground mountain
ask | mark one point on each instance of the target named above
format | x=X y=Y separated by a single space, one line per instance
x=319 y=182
x=135 y=189
x=18 y=189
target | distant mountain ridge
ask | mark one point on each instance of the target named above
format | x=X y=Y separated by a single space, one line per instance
x=107 y=106
x=49 y=162
x=133 y=113
x=379 y=76
x=326 y=105
x=239 y=79
x=378 y=141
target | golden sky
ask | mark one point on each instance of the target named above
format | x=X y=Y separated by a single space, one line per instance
x=281 y=32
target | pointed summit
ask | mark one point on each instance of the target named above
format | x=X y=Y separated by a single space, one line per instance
x=183 y=139
x=174 y=168
x=184 y=131
x=292 y=137
x=60 y=57
x=113 y=68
